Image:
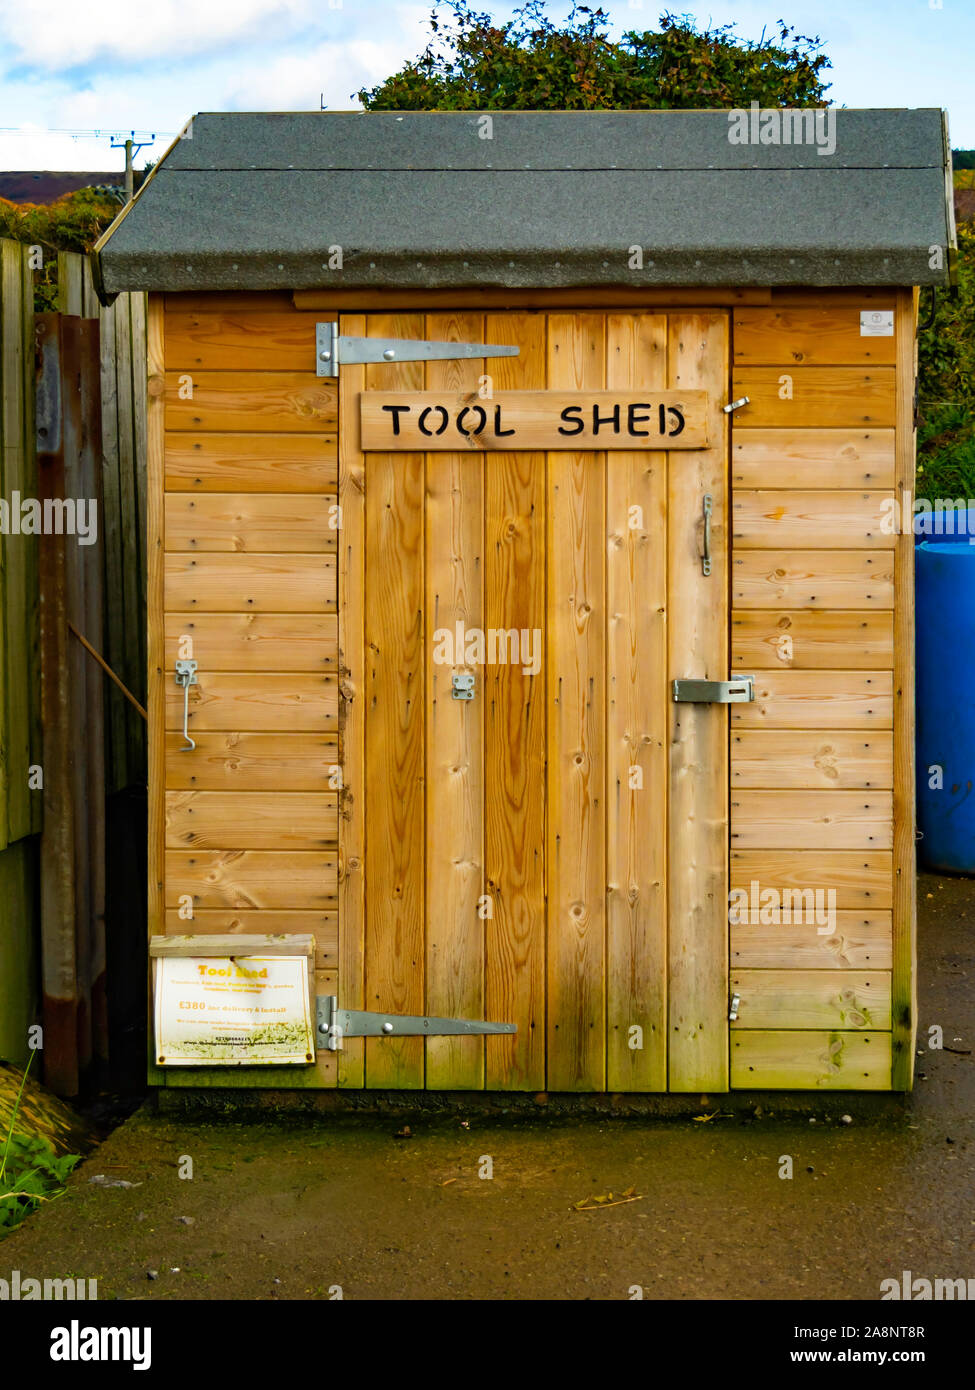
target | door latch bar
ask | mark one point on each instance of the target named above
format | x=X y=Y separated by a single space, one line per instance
x=706 y=557
x=740 y=691
x=186 y=676
x=334 y=1024
x=333 y=350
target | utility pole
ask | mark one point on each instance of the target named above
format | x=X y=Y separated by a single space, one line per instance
x=131 y=147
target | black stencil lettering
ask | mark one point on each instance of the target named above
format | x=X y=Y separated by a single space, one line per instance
x=612 y=419
x=679 y=415
x=396 y=411
x=497 y=424
x=633 y=419
x=443 y=421
x=572 y=415
x=460 y=420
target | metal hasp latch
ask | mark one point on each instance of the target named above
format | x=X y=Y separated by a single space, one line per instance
x=334 y=1024
x=733 y=1008
x=462 y=685
x=740 y=691
x=186 y=676
x=334 y=350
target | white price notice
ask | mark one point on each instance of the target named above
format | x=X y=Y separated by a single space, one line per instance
x=245 y=1010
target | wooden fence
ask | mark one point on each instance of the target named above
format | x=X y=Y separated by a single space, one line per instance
x=20 y=807
x=123 y=370
x=91 y=443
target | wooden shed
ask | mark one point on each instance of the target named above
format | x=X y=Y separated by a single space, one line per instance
x=532 y=492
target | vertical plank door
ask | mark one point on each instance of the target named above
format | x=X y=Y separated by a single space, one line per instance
x=552 y=853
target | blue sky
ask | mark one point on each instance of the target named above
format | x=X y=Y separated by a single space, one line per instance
x=115 y=65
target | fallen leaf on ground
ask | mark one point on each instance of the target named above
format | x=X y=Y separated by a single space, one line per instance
x=603 y=1203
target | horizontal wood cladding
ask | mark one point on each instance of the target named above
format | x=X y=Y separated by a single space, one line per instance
x=811 y=758
x=813 y=1060
x=812 y=578
x=808 y=639
x=253 y=762
x=809 y=335
x=250 y=583
x=255 y=880
x=798 y=397
x=255 y=641
x=811 y=458
x=857 y=940
x=807 y=520
x=251 y=462
x=274 y=701
x=860 y=879
x=813 y=472
x=233 y=523
x=323 y=926
x=799 y=820
x=251 y=820
x=226 y=339
x=847 y=999
x=275 y=401
x=250 y=471
x=818 y=700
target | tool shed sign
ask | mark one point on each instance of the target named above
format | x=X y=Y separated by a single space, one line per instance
x=509 y=420
x=243 y=1010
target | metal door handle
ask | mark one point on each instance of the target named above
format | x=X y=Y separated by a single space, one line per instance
x=186 y=676
x=706 y=559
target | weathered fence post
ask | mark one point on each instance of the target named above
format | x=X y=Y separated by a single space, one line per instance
x=57 y=435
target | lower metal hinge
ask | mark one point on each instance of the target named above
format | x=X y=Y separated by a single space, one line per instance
x=334 y=1024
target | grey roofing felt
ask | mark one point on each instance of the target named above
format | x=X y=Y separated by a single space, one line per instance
x=552 y=199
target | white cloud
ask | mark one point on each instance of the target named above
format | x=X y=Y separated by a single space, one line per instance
x=296 y=81
x=52 y=35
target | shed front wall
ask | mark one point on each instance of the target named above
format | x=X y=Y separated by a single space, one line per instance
x=248 y=564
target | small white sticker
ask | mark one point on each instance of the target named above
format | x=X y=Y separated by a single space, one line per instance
x=876 y=323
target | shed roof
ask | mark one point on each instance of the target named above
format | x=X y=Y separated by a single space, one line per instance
x=540 y=199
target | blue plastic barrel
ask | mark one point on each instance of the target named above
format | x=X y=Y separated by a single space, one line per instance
x=945 y=608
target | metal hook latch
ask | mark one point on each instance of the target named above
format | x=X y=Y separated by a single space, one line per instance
x=462 y=685
x=733 y=1010
x=186 y=676
x=735 y=405
x=706 y=557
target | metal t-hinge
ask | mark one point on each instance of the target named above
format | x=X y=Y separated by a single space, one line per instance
x=334 y=350
x=740 y=691
x=334 y=1024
